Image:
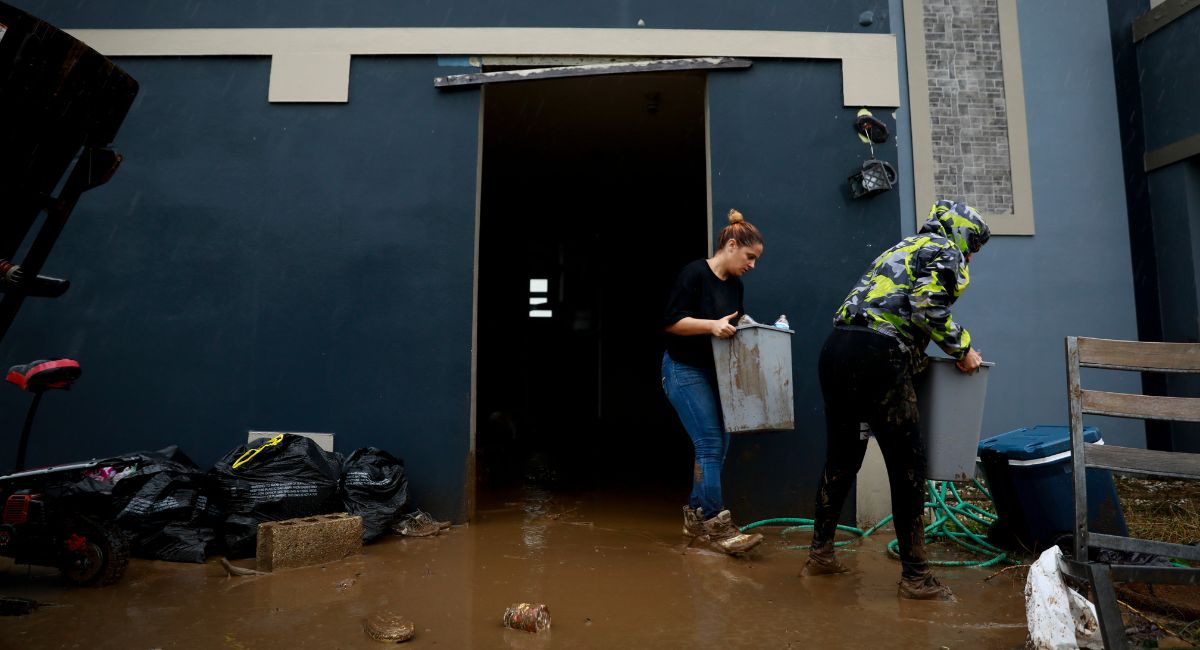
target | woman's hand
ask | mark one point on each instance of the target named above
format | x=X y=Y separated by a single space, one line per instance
x=971 y=362
x=722 y=328
x=689 y=326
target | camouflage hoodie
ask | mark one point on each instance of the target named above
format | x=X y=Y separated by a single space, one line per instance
x=908 y=291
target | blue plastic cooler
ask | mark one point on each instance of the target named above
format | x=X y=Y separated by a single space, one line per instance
x=1028 y=472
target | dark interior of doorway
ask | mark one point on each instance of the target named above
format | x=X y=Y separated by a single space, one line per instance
x=596 y=186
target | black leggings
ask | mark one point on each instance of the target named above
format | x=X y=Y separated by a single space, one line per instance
x=867 y=377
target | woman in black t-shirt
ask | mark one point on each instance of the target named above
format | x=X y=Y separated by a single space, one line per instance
x=706 y=301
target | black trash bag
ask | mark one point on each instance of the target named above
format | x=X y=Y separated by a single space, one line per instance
x=294 y=478
x=183 y=542
x=168 y=514
x=375 y=488
x=100 y=477
x=166 y=507
x=167 y=458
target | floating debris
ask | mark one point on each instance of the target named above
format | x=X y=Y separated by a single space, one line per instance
x=13 y=606
x=528 y=617
x=240 y=571
x=389 y=628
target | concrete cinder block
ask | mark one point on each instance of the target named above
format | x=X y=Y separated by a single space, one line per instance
x=306 y=541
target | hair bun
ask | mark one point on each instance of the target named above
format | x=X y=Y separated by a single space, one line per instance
x=736 y=217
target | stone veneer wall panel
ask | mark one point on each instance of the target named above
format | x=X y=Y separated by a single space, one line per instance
x=968 y=116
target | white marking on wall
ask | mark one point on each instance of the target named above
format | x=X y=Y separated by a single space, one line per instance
x=539 y=288
x=310 y=77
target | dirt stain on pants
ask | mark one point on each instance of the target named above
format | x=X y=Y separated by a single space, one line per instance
x=867 y=377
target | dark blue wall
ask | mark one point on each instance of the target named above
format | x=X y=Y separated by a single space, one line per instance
x=1168 y=63
x=1170 y=79
x=309 y=267
x=1175 y=194
x=281 y=267
x=782 y=147
x=810 y=15
x=1158 y=88
x=1175 y=250
x=1169 y=76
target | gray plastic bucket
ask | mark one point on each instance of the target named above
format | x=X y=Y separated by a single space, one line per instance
x=951 y=405
x=754 y=378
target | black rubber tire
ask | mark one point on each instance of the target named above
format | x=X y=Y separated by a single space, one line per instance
x=104 y=559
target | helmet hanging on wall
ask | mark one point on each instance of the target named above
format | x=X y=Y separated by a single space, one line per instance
x=875 y=176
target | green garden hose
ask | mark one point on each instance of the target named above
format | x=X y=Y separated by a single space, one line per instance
x=948 y=525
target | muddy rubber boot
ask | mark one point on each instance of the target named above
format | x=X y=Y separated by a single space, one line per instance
x=822 y=562
x=925 y=587
x=723 y=536
x=693 y=522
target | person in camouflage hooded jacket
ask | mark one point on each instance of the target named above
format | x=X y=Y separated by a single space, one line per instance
x=866 y=368
x=908 y=291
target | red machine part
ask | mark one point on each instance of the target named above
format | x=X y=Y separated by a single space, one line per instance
x=16 y=509
x=44 y=374
x=76 y=543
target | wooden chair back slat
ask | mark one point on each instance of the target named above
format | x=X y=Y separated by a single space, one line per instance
x=1147 y=462
x=1139 y=355
x=1145 y=407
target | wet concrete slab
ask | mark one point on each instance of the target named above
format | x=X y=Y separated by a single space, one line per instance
x=614 y=573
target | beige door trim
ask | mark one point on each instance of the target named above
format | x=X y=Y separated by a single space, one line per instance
x=312 y=64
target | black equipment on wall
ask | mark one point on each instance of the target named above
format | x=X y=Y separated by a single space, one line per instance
x=876 y=176
x=61 y=102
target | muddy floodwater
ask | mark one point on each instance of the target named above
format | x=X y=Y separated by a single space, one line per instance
x=614 y=572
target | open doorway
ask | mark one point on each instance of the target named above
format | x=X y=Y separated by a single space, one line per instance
x=593 y=196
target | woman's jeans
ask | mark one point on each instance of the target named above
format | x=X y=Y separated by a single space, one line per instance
x=866 y=376
x=693 y=393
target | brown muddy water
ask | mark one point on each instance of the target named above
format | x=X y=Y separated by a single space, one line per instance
x=615 y=573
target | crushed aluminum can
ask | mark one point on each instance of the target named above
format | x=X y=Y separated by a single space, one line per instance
x=529 y=617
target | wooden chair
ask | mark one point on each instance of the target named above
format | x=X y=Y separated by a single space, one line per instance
x=1136 y=357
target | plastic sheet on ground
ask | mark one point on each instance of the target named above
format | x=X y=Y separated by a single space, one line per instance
x=1059 y=618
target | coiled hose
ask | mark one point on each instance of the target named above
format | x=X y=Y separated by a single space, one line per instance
x=949 y=524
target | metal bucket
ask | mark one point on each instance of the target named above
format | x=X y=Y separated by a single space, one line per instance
x=754 y=378
x=951 y=405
